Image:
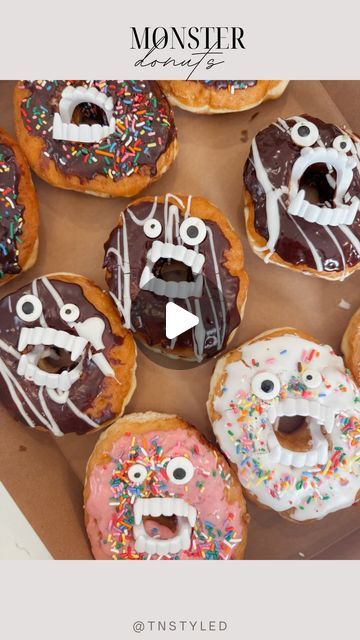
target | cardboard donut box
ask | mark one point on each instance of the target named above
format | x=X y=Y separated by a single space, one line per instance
x=44 y=475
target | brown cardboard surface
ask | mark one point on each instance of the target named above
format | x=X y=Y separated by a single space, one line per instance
x=46 y=478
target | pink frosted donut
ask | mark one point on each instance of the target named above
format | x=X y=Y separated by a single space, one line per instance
x=156 y=489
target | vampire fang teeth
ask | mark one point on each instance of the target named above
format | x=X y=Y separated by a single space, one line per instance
x=186 y=518
x=302 y=407
x=46 y=336
x=181 y=290
x=340 y=214
x=64 y=129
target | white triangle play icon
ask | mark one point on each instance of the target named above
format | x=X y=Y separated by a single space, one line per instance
x=178 y=320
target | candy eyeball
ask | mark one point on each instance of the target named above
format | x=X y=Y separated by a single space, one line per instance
x=180 y=470
x=342 y=143
x=152 y=228
x=265 y=385
x=29 y=308
x=137 y=473
x=304 y=133
x=312 y=379
x=193 y=231
x=69 y=312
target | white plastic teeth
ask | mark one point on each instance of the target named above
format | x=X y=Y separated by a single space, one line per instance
x=324 y=215
x=41 y=338
x=64 y=129
x=317 y=455
x=155 y=507
x=307 y=408
x=46 y=336
x=160 y=287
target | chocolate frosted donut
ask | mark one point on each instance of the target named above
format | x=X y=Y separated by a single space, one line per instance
x=66 y=362
x=105 y=137
x=302 y=197
x=180 y=249
x=18 y=212
x=221 y=96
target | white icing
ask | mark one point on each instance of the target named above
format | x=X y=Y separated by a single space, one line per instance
x=280 y=478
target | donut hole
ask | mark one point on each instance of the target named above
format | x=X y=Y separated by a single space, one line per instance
x=89 y=113
x=289 y=424
x=172 y=271
x=314 y=182
x=55 y=360
x=161 y=527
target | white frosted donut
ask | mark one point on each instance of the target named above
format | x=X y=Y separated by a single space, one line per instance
x=312 y=471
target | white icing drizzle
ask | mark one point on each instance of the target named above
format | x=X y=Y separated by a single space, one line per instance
x=171 y=235
x=342 y=212
x=279 y=478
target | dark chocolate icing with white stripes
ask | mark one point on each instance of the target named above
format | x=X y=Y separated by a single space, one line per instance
x=36 y=404
x=331 y=245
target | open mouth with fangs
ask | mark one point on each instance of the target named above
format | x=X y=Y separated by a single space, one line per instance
x=319 y=187
x=50 y=358
x=173 y=271
x=310 y=421
x=163 y=525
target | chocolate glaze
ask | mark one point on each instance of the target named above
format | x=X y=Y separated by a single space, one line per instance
x=85 y=391
x=278 y=154
x=135 y=102
x=11 y=213
x=148 y=309
x=230 y=85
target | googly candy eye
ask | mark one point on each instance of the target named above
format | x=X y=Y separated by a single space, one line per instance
x=180 y=470
x=137 y=473
x=29 y=308
x=193 y=231
x=152 y=228
x=304 y=133
x=342 y=143
x=69 y=312
x=265 y=385
x=311 y=378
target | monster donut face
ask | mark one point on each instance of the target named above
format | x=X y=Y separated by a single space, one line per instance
x=164 y=494
x=182 y=250
x=303 y=184
x=312 y=470
x=58 y=351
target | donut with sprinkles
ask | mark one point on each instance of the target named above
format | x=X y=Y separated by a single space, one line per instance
x=18 y=212
x=104 y=137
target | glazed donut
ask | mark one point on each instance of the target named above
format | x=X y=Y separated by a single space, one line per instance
x=257 y=391
x=156 y=489
x=104 y=137
x=302 y=197
x=180 y=249
x=18 y=212
x=221 y=96
x=66 y=362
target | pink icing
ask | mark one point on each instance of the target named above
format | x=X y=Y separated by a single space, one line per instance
x=219 y=527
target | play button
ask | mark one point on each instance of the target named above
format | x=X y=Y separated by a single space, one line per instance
x=178 y=320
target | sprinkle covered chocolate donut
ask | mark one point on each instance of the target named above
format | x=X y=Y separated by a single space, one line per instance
x=156 y=489
x=221 y=96
x=66 y=362
x=105 y=137
x=18 y=212
x=178 y=249
x=302 y=197
x=304 y=470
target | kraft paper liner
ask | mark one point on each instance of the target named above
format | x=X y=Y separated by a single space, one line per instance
x=46 y=478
